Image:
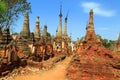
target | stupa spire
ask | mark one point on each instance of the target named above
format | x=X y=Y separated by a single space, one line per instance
x=26 y=30
x=60 y=23
x=37 y=28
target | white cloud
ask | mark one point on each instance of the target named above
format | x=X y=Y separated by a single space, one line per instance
x=97 y=9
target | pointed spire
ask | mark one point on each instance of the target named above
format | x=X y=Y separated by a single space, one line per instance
x=26 y=31
x=90 y=33
x=37 y=28
x=60 y=23
x=60 y=10
x=90 y=37
x=45 y=31
x=91 y=24
x=91 y=16
x=66 y=18
x=65 y=26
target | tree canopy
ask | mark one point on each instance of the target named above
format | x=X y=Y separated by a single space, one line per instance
x=107 y=43
x=10 y=10
x=3 y=7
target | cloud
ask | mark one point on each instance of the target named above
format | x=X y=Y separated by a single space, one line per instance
x=97 y=9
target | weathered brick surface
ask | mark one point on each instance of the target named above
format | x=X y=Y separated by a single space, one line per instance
x=96 y=64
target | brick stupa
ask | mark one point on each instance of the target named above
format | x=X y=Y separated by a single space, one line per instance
x=90 y=37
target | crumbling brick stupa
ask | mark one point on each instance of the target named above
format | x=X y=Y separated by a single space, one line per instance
x=92 y=61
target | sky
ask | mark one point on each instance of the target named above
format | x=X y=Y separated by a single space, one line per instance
x=106 y=16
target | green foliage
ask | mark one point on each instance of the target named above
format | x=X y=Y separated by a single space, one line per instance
x=3 y=7
x=15 y=8
x=48 y=35
x=107 y=43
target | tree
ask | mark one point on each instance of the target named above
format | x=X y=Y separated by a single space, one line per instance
x=48 y=34
x=3 y=7
x=14 y=9
x=107 y=43
x=112 y=44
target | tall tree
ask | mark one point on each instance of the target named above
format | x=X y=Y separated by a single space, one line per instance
x=15 y=8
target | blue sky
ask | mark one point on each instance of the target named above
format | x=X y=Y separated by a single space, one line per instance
x=106 y=16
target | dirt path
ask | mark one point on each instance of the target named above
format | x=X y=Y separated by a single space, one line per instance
x=57 y=73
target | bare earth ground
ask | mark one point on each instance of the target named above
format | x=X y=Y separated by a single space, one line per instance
x=56 y=73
